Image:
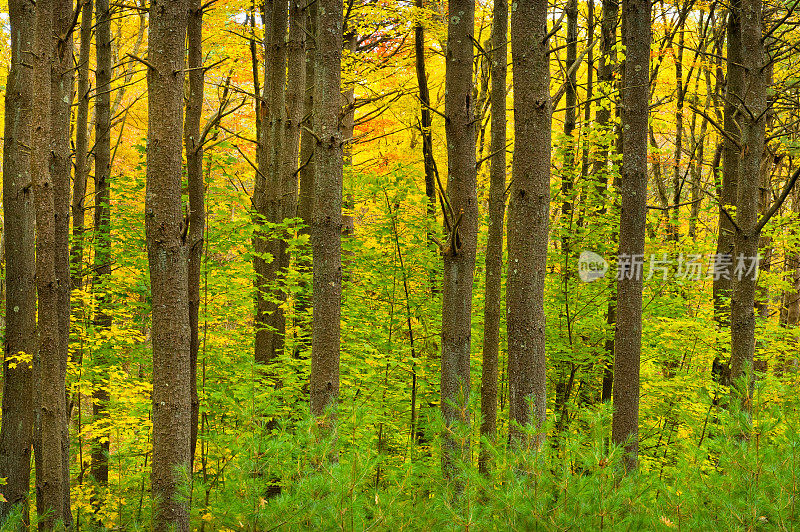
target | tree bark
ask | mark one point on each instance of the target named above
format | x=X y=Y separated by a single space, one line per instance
x=305 y=174
x=305 y=205
x=790 y=305
x=528 y=221
x=349 y=45
x=570 y=114
x=52 y=400
x=102 y=227
x=61 y=85
x=752 y=112
x=585 y=131
x=677 y=175
x=326 y=219
x=494 y=244
x=82 y=165
x=82 y=168
x=600 y=165
x=697 y=164
x=295 y=104
x=766 y=168
x=628 y=332
x=16 y=431
x=196 y=188
x=425 y=126
x=269 y=190
x=462 y=226
x=584 y=388
x=587 y=106
x=567 y=189
x=166 y=253
x=722 y=286
x=288 y=165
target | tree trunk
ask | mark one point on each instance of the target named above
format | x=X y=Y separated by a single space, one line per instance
x=267 y=197
x=288 y=165
x=350 y=45
x=305 y=205
x=261 y=241
x=326 y=220
x=52 y=400
x=166 y=253
x=570 y=114
x=494 y=245
x=480 y=92
x=790 y=305
x=196 y=186
x=16 y=431
x=600 y=165
x=295 y=102
x=605 y=81
x=768 y=163
x=567 y=189
x=305 y=174
x=677 y=176
x=462 y=226
x=722 y=285
x=697 y=168
x=528 y=220
x=102 y=227
x=587 y=106
x=82 y=165
x=628 y=332
x=752 y=111
x=425 y=126
x=82 y=168
x=61 y=82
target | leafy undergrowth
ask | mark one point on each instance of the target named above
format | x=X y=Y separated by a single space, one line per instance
x=574 y=482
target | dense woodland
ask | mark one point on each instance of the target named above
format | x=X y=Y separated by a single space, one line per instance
x=371 y=264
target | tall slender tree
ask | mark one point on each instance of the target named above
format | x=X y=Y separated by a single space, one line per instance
x=677 y=170
x=82 y=163
x=628 y=332
x=462 y=227
x=288 y=156
x=722 y=284
x=305 y=203
x=494 y=244
x=752 y=111
x=196 y=188
x=52 y=394
x=305 y=173
x=528 y=220
x=61 y=87
x=790 y=304
x=268 y=191
x=589 y=88
x=570 y=116
x=326 y=219
x=166 y=253
x=568 y=172
x=16 y=430
x=425 y=124
x=600 y=164
x=102 y=228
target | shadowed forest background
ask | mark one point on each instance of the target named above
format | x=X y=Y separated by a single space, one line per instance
x=315 y=265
